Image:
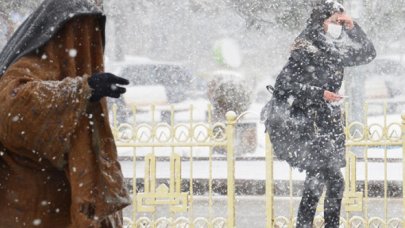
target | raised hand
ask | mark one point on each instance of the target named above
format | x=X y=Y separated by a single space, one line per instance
x=345 y=20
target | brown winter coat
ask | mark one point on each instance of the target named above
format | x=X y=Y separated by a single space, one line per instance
x=58 y=159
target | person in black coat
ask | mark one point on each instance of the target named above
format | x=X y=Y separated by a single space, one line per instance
x=303 y=118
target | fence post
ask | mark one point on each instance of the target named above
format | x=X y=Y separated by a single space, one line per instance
x=230 y=136
x=269 y=184
x=403 y=163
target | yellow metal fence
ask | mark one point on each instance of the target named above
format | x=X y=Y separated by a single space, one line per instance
x=170 y=157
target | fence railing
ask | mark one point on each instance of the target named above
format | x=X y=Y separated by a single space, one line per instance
x=183 y=171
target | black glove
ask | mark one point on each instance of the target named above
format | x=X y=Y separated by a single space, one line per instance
x=104 y=85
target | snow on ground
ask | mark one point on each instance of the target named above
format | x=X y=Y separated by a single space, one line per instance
x=255 y=170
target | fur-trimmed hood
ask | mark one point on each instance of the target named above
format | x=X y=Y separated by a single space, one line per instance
x=312 y=38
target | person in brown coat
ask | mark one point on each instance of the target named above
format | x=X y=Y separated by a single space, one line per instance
x=58 y=158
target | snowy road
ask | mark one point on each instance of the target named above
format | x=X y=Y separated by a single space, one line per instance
x=256 y=170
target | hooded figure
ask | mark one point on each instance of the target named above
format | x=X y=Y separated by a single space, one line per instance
x=58 y=159
x=298 y=110
x=303 y=118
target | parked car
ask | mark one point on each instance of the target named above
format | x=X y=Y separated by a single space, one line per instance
x=156 y=83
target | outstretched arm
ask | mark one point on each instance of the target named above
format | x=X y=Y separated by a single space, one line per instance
x=360 y=51
x=38 y=116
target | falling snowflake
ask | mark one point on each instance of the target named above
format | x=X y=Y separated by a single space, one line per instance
x=15 y=118
x=73 y=53
x=36 y=222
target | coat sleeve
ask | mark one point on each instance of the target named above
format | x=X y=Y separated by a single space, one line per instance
x=39 y=116
x=360 y=50
x=287 y=84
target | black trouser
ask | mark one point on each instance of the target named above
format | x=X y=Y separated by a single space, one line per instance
x=313 y=188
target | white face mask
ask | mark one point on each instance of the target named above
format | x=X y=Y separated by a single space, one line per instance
x=334 y=30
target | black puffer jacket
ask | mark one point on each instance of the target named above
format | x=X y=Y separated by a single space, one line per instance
x=304 y=129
